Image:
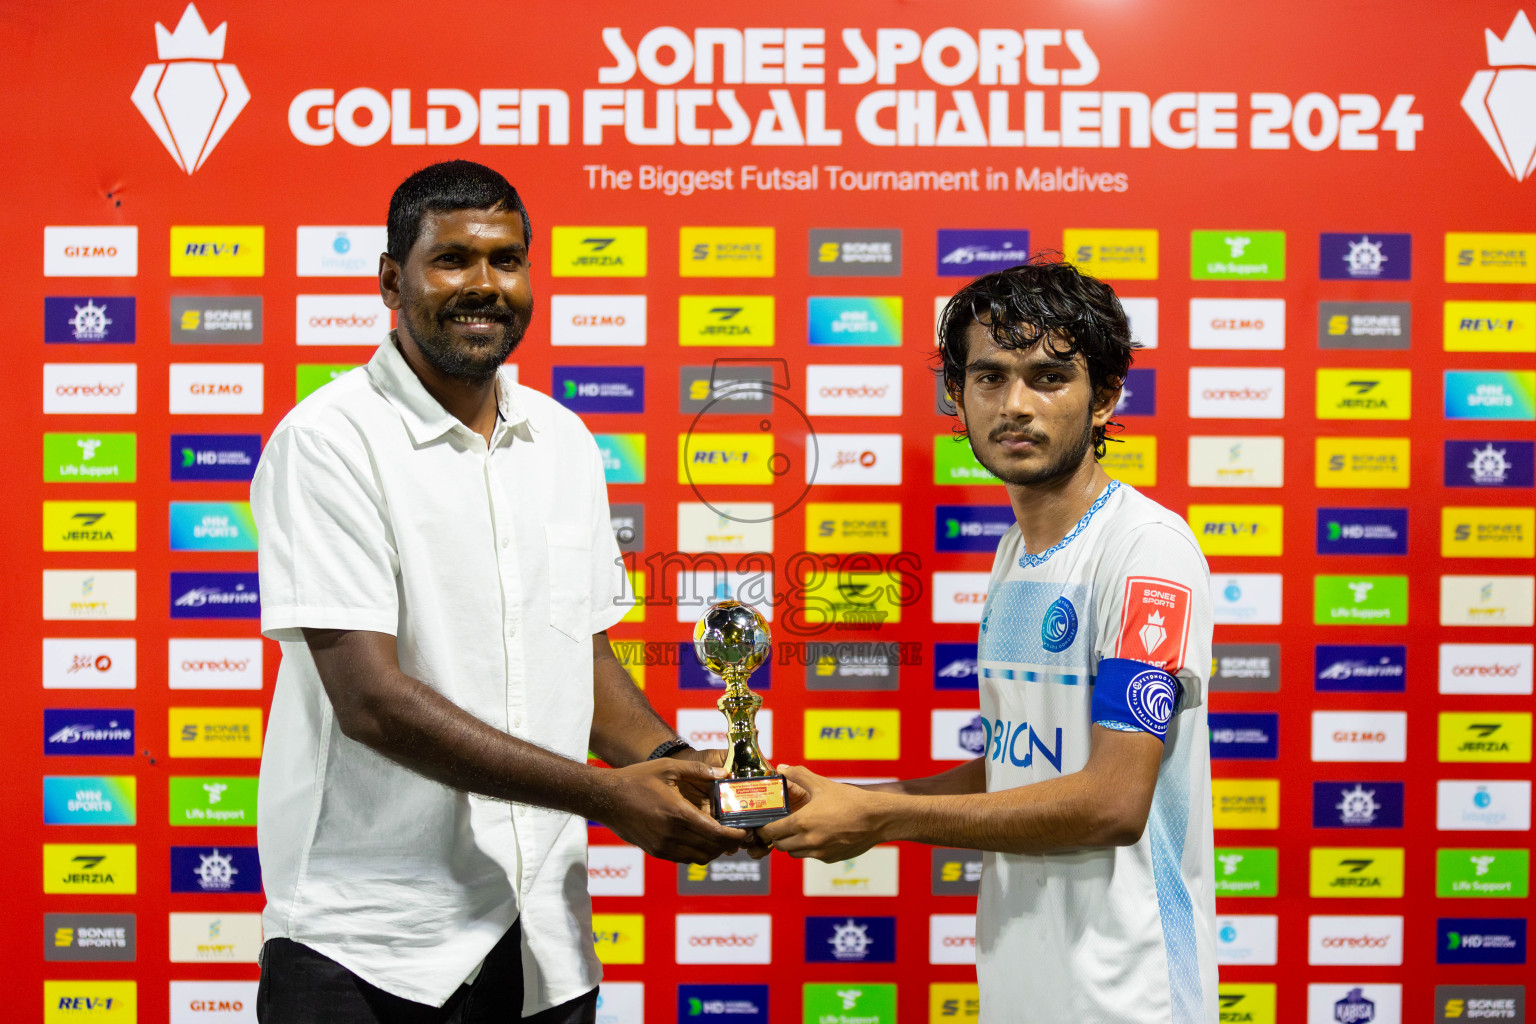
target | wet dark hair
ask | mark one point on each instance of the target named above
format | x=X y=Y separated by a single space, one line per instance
x=443 y=188
x=1045 y=297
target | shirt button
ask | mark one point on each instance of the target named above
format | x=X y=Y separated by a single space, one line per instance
x=517 y=721
x=506 y=542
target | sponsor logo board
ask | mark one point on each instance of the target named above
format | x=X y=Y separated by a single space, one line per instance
x=1490 y=394
x=1349 y=940
x=1490 y=256
x=1360 y=668
x=90 y=594
x=725 y=527
x=599 y=388
x=1252 y=598
x=959 y=596
x=212 y=800
x=1357 y=736
x=1238 y=529
x=852 y=666
x=724 y=939
x=1493 y=464
x=209 y=664
x=1245 y=735
x=1483 y=874
x=101 y=1002
x=1236 y=392
x=628 y=521
x=956 y=872
x=1125 y=254
x=90 y=458
x=1245 y=668
x=1487 y=600
x=215 y=938
x=1489 y=736
x=108 y=251
x=217 y=320
x=725 y=252
x=1360 y=600
x=741 y=321
x=1487 y=532
x=1245 y=1003
x=215 y=595
x=89 y=320
x=1365 y=325
x=1456 y=1004
x=90 y=526
x=619 y=938
x=845 y=1003
x=1463 y=805
x=1349 y=1003
x=90 y=800
x=94 y=663
x=219 y=251
x=736 y=387
x=1362 y=462
x=88 y=732
x=90 y=868
x=853 y=459
x=951 y=938
x=1237 y=255
x=971 y=527
x=872 y=873
x=1247 y=939
x=1133 y=461
x=1245 y=803
x=214 y=1002
x=1232 y=461
x=1480 y=940
x=1357 y=871
x=1490 y=326
x=971 y=253
x=90 y=937
x=215 y=869
x=1246 y=324
x=1486 y=668
x=741 y=1004
x=1138 y=395
x=91 y=388
x=219 y=389
x=871 y=252
x=1362 y=531
x=623 y=457
x=341 y=320
x=1368 y=256
x=850 y=940
x=1366 y=394
x=853 y=526
x=597 y=251
x=582 y=320
x=1357 y=804
x=955 y=666
x=736 y=874
x=848 y=390
x=852 y=734
x=1247 y=871
x=214 y=456
x=854 y=320
x=331 y=251
x=212 y=526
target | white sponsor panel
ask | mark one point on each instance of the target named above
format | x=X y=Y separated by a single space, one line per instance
x=215 y=938
x=336 y=251
x=1249 y=324
x=1360 y=736
x=853 y=390
x=620 y=1002
x=614 y=870
x=90 y=387
x=1477 y=805
x=724 y=939
x=957 y=735
x=213 y=1002
x=580 y=320
x=1233 y=461
x=90 y=664
x=341 y=320
x=1247 y=939
x=1142 y=314
x=728 y=527
x=111 y=251
x=207 y=664
x=87 y=594
x=1354 y=1003
x=872 y=873
x=704 y=729
x=853 y=459
x=1251 y=598
x=217 y=389
x=1486 y=668
x=939 y=303
x=1236 y=393
x=951 y=938
x=1351 y=940
x=695 y=590
x=959 y=596
x=1487 y=600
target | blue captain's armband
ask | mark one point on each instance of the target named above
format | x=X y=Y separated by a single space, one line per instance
x=1132 y=696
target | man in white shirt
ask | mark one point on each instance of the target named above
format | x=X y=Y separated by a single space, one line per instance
x=437 y=560
x=1092 y=796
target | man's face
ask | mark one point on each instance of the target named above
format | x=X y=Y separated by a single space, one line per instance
x=463 y=291
x=1030 y=414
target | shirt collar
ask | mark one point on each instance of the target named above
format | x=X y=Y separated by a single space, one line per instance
x=424 y=417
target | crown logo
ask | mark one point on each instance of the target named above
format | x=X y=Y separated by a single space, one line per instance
x=193 y=41
x=191 y=98
x=1501 y=100
x=1516 y=49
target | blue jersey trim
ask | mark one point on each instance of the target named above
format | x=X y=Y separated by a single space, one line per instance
x=1029 y=561
x=1135 y=693
x=1169 y=827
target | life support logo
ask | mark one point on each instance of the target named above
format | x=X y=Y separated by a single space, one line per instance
x=1151 y=696
x=1059 y=627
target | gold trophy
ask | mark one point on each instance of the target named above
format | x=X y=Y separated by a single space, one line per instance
x=731 y=640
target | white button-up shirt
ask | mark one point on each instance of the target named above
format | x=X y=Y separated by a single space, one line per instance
x=492 y=566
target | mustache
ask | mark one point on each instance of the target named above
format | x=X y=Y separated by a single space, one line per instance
x=1016 y=433
x=496 y=314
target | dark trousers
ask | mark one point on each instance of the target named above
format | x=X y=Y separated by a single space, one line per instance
x=300 y=986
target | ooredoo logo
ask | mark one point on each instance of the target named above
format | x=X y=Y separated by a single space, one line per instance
x=952 y=938
x=341 y=320
x=853 y=390
x=1485 y=668
x=192 y=97
x=90 y=388
x=217 y=388
x=614 y=870
x=724 y=939
x=1236 y=393
x=199 y=664
x=1355 y=940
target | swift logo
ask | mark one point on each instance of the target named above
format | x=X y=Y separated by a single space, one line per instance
x=192 y=97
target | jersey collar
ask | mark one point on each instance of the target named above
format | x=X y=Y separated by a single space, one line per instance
x=1029 y=561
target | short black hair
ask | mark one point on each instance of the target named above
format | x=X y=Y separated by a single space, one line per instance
x=1044 y=297
x=443 y=188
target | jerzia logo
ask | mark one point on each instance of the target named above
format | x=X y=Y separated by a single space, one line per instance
x=190 y=101
x=1498 y=99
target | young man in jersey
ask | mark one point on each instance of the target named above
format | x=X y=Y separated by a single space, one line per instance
x=1092 y=797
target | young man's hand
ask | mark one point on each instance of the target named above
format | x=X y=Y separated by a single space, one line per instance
x=831 y=821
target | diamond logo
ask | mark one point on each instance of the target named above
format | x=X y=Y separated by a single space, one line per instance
x=1152 y=632
x=190 y=98
x=1501 y=100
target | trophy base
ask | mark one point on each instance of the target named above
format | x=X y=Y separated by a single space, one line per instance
x=748 y=803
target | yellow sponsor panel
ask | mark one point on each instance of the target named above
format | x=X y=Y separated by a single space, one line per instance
x=619 y=938
x=1238 y=529
x=725 y=458
x=1245 y=1004
x=1479 y=532
x=1357 y=871
x=853 y=526
x=98 y=1002
x=198 y=251
x=1364 y=394
x=1500 y=257
x=737 y=320
x=1490 y=326
x=215 y=732
x=90 y=526
x=953 y=1004
x=597 y=251
x=1132 y=461
x=636 y=611
x=631 y=654
x=90 y=868
x=1369 y=462
x=1498 y=737
x=852 y=734
x=853 y=597
x=1245 y=803
x=725 y=252
x=1113 y=254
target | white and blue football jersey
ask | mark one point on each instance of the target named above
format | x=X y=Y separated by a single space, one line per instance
x=1118 y=934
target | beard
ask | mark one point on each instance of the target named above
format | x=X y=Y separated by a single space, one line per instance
x=1064 y=464
x=471 y=361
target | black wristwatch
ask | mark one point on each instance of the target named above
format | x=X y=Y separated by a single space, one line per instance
x=669 y=748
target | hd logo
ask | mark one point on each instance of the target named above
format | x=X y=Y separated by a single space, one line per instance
x=597 y=251
x=1486 y=736
x=1357 y=872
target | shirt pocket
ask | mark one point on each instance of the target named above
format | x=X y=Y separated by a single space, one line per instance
x=570 y=580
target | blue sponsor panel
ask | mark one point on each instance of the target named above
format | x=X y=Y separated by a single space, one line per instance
x=972 y=253
x=693 y=676
x=736 y=1004
x=1357 y=804
x=212 y=526
x=214 y=456
x=1480 y=940
x=1138 y=395
x=1490 y=395
x=1245 y=736
x=970 y=527
x=854 y=320
x=954 y=667
x=1362 y=531
x=850 y=940
x=90 y=800
x=1365 y=256
x=1490 y=464
x=1360 y=668
x=88 y=732
x=600 y=388
x=89 y=320
x=215 y=595
x=215 y=869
